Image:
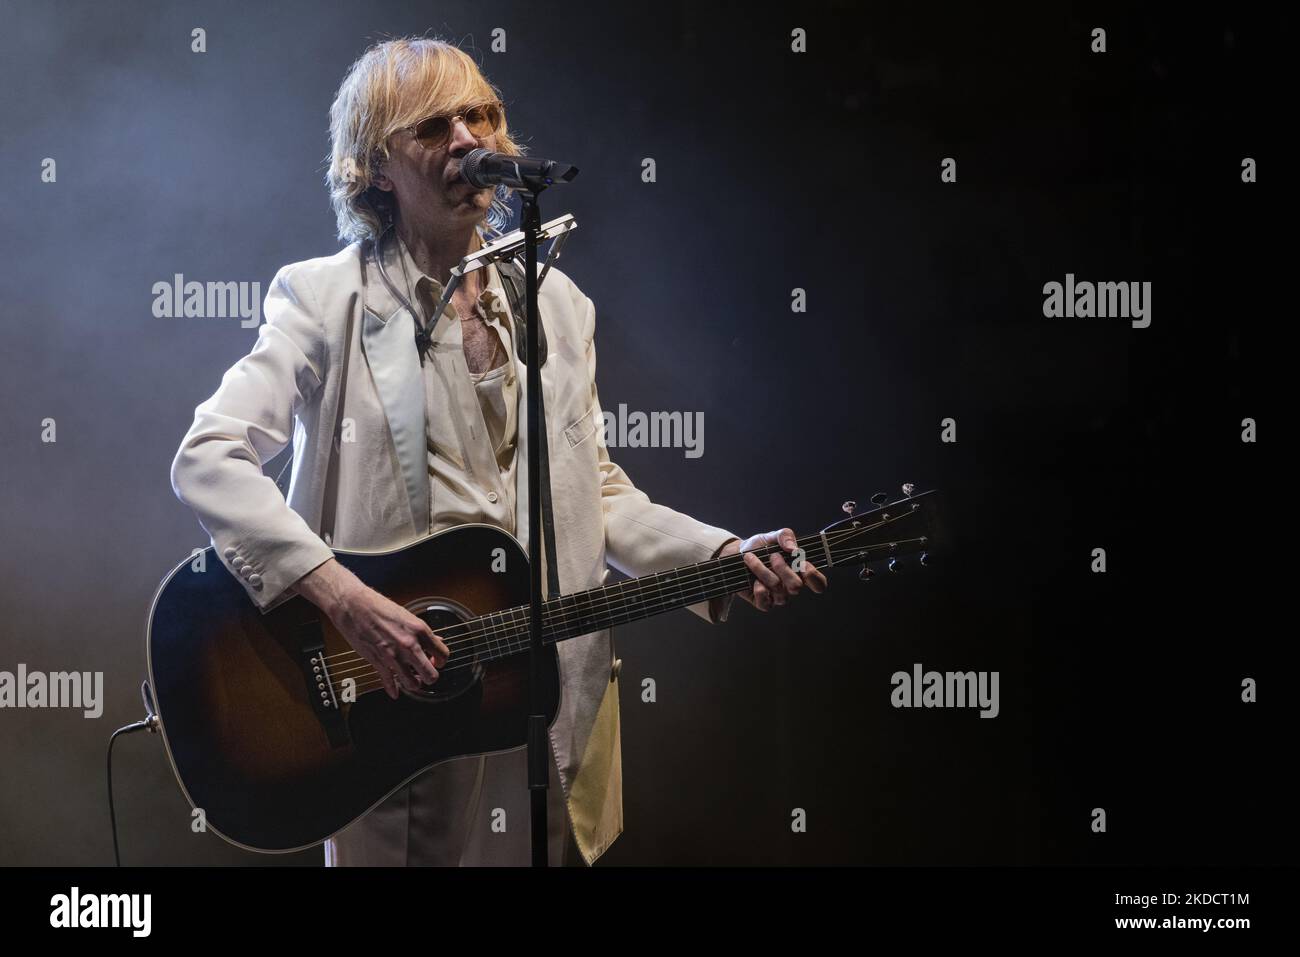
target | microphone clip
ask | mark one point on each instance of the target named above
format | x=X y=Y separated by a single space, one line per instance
x=507 y=249
x=422 y=342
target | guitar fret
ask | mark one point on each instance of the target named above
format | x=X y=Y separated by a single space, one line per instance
x=518 y=624
x=715 y=579
x=664 y=597
x=503 y=635
x=585 y=614
x=621 y=610
x=676 y=579
x=572 y=617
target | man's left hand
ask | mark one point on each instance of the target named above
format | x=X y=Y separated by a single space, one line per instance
x=776 y=582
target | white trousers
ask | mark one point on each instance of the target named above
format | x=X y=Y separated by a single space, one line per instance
x=470 y=812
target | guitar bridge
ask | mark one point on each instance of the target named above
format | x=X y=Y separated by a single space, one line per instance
x=320 y=686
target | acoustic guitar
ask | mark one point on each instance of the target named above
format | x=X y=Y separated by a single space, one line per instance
x=282 y=733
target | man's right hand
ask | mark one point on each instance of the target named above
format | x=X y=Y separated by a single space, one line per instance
x=388 y=636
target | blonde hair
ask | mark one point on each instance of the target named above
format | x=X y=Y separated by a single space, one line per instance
x=395 y=84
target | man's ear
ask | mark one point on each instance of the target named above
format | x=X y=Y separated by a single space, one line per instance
x=381 y=178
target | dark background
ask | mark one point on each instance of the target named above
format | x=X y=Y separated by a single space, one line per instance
x=775 y=170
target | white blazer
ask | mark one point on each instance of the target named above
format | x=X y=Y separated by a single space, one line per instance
x=332 y=332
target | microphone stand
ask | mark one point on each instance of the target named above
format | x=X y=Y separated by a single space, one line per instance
x=533 y=232
x=533 y=182
x=538 y=751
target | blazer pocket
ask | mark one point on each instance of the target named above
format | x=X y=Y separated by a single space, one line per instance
x=582 y=429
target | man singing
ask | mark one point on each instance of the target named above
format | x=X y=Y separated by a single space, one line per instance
x=391 y=446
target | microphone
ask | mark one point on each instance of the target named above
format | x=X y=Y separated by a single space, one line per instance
x=482 y=168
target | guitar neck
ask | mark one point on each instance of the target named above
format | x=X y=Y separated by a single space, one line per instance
x=627 y=601
x=884 y=534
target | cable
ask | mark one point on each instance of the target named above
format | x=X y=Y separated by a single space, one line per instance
x=150 y=724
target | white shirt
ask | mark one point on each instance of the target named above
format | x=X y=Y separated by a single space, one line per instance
x=471 y=419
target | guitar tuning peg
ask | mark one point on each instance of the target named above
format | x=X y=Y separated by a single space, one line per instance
x=893 y=564
x=908 y=489
x=879 y=499
x=866 y=575
x=848 y=507
x=925 y=558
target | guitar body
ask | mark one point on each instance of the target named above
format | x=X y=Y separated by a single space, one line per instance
x=282 y=734
x=271 y=752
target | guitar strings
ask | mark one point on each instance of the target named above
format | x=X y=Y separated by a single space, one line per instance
x=372 y=681
x=515 y=637
x=510 y=641
x=604 y=602
x=501 y=637
x=505 y=638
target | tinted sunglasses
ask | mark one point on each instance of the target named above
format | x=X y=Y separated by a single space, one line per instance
x=434 y=132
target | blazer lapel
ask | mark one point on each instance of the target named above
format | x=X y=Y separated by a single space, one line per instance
x=388 y=338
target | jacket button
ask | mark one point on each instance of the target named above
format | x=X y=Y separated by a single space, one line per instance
x=617 y=669
x=492 y=496
x=230 y=553
x=255 y=580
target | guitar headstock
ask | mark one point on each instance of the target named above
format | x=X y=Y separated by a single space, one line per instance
x=890 y=536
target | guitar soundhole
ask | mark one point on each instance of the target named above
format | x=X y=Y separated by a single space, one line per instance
x=463 y=670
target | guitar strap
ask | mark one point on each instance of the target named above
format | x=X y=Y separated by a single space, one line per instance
x=330 y=506
x=330 y=496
